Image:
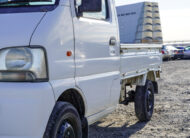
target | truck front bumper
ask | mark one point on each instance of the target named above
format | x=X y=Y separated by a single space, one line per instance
x=25 y=109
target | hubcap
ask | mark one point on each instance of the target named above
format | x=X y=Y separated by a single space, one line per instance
x=66 y=131
x=149 y=101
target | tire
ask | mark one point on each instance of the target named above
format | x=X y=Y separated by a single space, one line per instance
x=64 y=122
x=144 y=101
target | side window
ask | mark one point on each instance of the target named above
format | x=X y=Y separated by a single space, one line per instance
x=96 y=15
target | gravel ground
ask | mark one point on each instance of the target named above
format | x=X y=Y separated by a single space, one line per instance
x=171 y=116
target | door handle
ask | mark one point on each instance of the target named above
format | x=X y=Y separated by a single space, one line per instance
x=113 y=41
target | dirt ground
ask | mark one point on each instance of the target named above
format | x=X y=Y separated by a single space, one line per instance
x=171 y=116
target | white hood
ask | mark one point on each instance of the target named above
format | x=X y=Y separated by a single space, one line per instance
x=16 y=28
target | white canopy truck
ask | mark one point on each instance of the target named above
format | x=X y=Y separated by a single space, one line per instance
x=62 y=68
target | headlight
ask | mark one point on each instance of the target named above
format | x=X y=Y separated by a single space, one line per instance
x=23 y=64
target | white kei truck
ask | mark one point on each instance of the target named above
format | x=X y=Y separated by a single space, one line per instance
x=62 y=68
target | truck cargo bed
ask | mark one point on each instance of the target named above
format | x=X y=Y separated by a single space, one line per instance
x=137 y=59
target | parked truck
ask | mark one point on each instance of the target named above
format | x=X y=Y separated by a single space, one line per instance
x=62 y=68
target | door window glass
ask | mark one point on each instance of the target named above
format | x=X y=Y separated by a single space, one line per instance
x=96 y=15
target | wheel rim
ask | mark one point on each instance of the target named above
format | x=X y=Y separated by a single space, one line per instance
x=66 y=131
x=149 y=101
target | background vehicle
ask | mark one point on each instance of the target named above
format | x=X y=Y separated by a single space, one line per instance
x=180 y=47
x=179 y=53
x=187 y=52
x=62 y=68
x=174 y=52
x=166 y=54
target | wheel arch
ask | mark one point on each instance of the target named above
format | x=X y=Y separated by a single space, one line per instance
x=151 y=76
x=74 y=97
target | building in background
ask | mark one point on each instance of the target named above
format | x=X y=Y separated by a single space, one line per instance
x=140 y=23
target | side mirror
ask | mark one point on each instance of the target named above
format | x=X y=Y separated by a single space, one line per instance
x=90 y=6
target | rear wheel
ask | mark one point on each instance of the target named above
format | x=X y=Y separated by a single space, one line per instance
x=144 y=101
x=64 y=122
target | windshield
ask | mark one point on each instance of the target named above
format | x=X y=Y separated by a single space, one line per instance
x=16 y=3
x=187 y=48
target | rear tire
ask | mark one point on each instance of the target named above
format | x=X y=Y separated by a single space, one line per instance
x=144 y=101
x=64 y=122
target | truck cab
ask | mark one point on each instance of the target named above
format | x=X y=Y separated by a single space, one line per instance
x=49 y=49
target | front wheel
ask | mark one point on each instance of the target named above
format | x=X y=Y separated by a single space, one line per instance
x=64 y=122
x=144 y=101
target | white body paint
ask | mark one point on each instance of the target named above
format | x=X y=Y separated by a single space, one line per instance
x=95 y=68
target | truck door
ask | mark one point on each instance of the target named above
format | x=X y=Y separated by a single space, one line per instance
x=96 y=55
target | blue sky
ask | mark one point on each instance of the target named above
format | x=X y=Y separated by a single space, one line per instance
x=175 y=18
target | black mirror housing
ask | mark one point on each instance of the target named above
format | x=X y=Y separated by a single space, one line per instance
x=90 y=6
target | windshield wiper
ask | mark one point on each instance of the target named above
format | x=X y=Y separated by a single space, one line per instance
x=22 y=1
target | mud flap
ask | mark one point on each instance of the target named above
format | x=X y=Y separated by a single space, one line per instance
x=155 y=87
